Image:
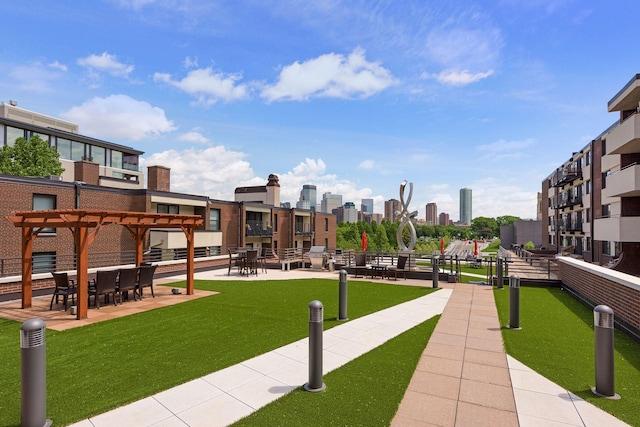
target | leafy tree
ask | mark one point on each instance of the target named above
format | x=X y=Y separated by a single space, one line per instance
x=30 y=158
x=485 y=227
x=506 y=220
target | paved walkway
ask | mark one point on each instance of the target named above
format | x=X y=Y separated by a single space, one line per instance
x=463 y=378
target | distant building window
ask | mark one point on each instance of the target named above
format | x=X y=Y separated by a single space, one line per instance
x=77 y=151
x=326 y=224
x=606 y=211
x=604 y=147
x=168 y=209
x=214 y=219
x=44 y=202
x=275 y=223
x=587 y=215
x=13 y=134
x=606 y=248
x=99 y=155
x=587 y=244
x=588 y=158
x=587 y=186
x=116 y=159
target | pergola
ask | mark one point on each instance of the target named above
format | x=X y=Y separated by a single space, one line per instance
x=84 y=225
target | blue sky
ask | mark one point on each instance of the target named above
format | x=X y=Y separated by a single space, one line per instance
x=352 y=96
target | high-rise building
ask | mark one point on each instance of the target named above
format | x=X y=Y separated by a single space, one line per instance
x=390 y=208
x=349 y=213
x=308 y=194
x=366 y=206
x=465 y=206
x=431 y=214
x=330 y=202
x=443 y=219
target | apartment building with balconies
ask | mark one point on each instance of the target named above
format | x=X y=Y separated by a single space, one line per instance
x=592 y=201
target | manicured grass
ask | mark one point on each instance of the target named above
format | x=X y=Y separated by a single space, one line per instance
x=365 y=392
x=557 y=341
x=98 y=367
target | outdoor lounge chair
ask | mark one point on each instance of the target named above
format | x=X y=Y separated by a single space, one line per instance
x=251 y=263
x=104 y=284
x=64 y=288
x=361 y=265
x=145 y=279
x=127 y=281
x=399 y=268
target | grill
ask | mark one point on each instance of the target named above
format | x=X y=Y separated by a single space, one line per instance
x=318 y=257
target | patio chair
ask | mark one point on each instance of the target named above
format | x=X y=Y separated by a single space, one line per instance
x=64 y=288
x=105 y=284
x=361 y=264
x=145 y=279
x=234 y=262
x=399 y=268
x=251 y=263
x=262 y=259
x=127 y=281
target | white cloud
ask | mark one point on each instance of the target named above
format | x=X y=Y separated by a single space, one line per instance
x=57 y=66
x=214 y=172
x=190 y=63
x=119 y=117
x=194 y=135
x=502 y=149
x=367 y=165
x=330 y=76
x=458 y=78
x=208 y=86
x=106 y=63
x=35 y=77
x=493 y=197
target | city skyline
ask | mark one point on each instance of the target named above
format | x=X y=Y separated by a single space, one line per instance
x=351 y=97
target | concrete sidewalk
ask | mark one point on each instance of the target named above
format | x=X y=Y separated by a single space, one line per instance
x=464 y=378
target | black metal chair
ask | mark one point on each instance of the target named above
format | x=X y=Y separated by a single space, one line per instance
x=361 y=265
x=105 y=283
x=65 y=287
x=145 y=279
x=251 y=263
x=234 y=262
x=127 y=281
x=399 y=268
x=262 y=259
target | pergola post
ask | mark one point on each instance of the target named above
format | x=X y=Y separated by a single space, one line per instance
x=139 y=236
x=82 y=273
x=190 y=234
x=27 y=266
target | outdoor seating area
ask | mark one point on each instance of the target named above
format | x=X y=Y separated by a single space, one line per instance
x=117 y=285
x=246 y=262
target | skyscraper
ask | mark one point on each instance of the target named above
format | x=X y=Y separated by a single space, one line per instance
x=431 y=214
x=366 y=206
x=465 y=206
x=330 y=202
x=390 y=208
x=308 y=194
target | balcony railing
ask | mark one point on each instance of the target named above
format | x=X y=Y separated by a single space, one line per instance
x=303 y=229
x=258 y=228
x=565 y=200
x=566 y=175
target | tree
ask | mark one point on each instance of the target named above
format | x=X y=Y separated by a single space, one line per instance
x=506 y=220
x=485 y=227
x=30 y=158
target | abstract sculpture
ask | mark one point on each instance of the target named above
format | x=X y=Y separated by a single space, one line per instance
x=407 y=219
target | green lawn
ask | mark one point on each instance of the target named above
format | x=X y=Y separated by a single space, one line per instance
x=366 y=392
x=556 y=340
x=95 y=368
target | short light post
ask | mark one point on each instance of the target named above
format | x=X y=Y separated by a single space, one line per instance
x=514 y=302
x=603 y=339
x=315 y=347
x=342 y=297
x=436 y=271
x=33 y=375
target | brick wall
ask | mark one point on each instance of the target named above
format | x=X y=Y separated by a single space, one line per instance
x=599 y=285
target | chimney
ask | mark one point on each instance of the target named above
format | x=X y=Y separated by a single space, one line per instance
x=158 y=178
x=86 y=171
x=273 y=191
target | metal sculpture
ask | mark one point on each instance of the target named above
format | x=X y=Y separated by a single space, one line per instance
x=407 y=218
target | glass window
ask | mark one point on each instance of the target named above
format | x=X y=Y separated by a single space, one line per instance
x=1 y=135
x=116 y=159
x=588 y=187
x=77 y=151
x=326 y=224
x=588 y=215
x=604 y=147
x=588 y=158
x=130 y=162
x=99 y=155
x=44 y=202
x=606 y=248
x=43 y=136
x=214 y=219
x=13 y=134
x=168 y=209
x=605 y=211
x=44 y=262
x=275 y=223
x=64 y=148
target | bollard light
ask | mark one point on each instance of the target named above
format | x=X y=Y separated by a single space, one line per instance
x=499 y=273
x=436 y=271
x=315 y=347
x=603 y=339
x=33 y=375
x=342 y=297
x=514 y=302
